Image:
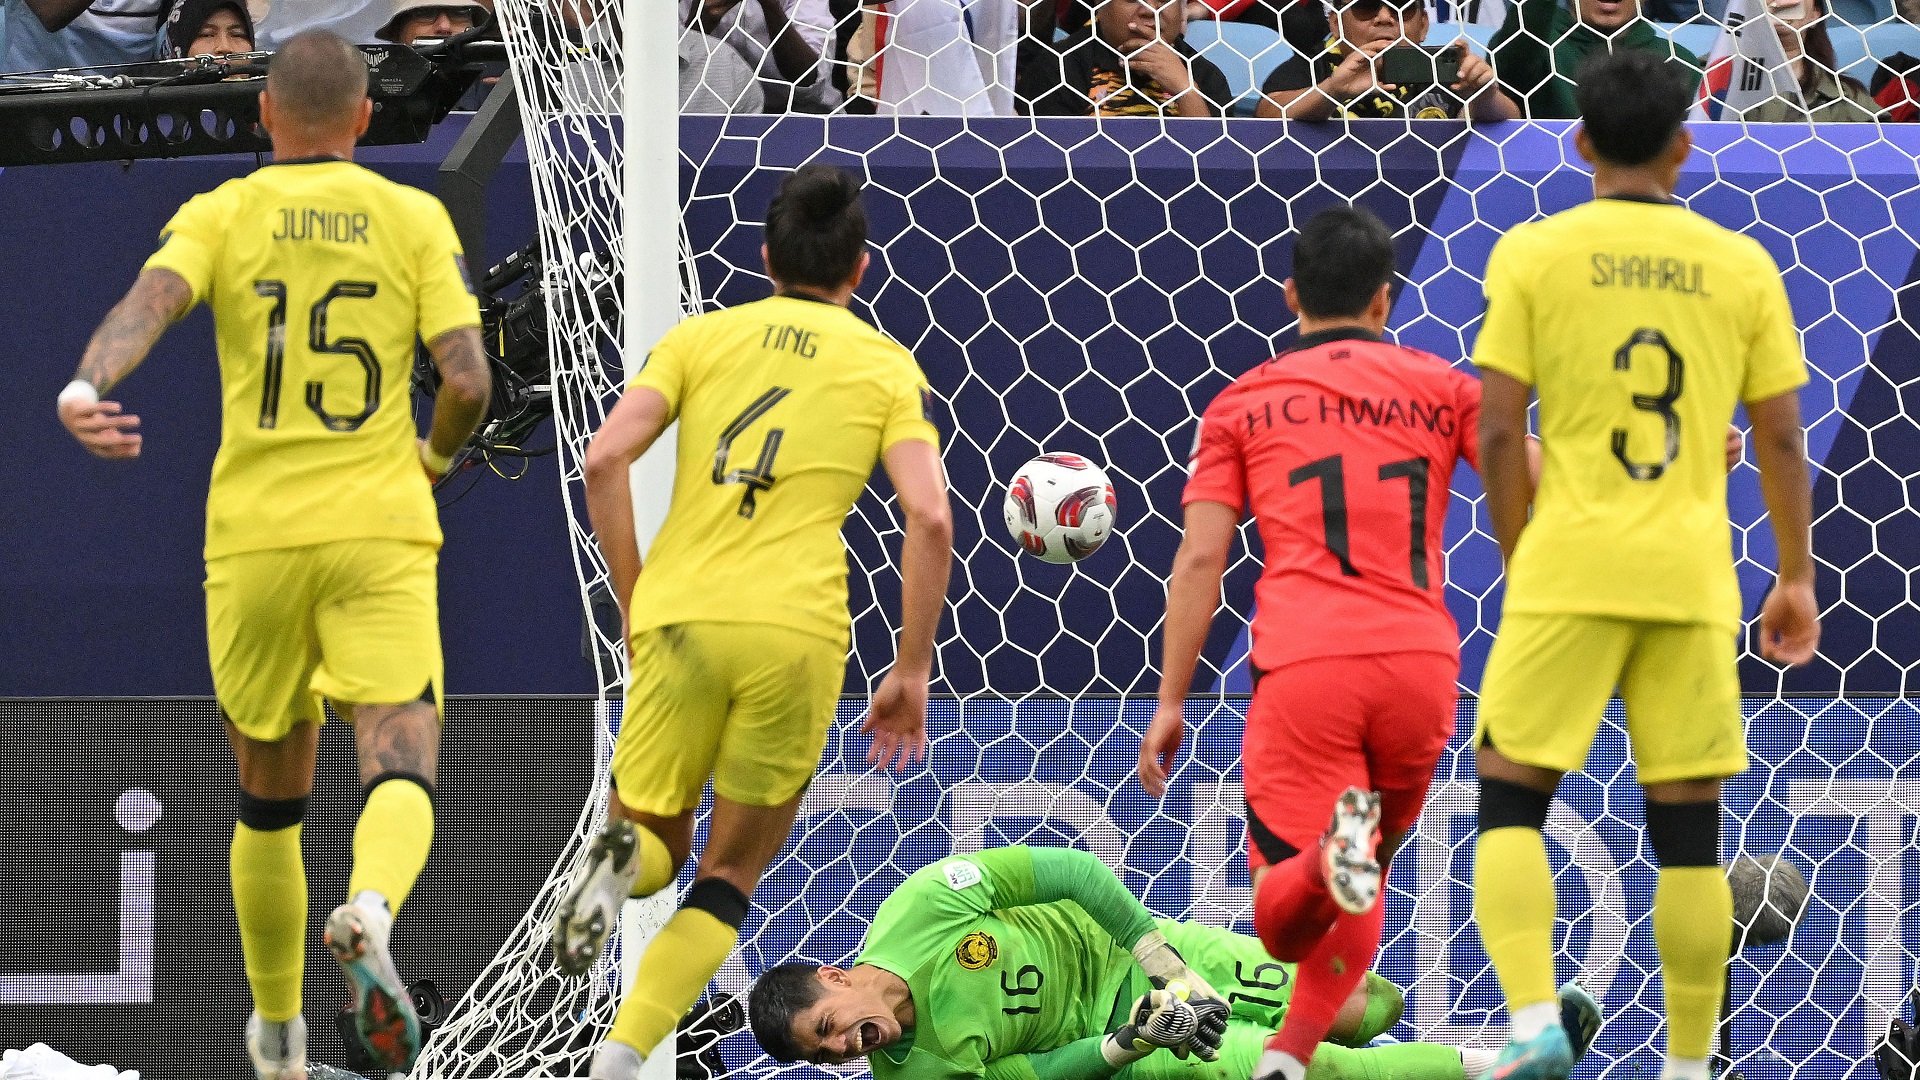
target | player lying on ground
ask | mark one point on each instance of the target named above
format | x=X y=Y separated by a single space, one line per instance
x=737 y=628
x=322 y=537
x=1037 y=964
x=1641 y=325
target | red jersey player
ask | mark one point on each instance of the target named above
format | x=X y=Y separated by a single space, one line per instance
x=1343 y=447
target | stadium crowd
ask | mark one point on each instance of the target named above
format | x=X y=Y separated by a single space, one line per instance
x=1484 y=60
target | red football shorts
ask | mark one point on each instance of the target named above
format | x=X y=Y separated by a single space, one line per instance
x=1319 y=727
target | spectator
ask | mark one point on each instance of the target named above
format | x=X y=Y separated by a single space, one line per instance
x=1829 y=97
x=1896 y=88
x=1133 y=61
x=1540 y=46
x=416 y=19
x=43 y=34
x=714 y=78
x=209 y=28
x=786 y=42
x=1340 y=81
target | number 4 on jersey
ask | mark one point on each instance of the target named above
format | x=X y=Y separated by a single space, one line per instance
x=760 y=477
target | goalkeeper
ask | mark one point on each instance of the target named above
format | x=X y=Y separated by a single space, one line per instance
x=1037 y=964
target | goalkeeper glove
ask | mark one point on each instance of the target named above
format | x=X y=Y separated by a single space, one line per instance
x=1160 y=1020
x=1169 y=971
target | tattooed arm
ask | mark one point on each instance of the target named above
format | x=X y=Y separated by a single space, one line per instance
x=466 y=383
x=158 y=297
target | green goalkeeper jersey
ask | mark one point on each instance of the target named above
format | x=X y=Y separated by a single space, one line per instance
x=998 y=966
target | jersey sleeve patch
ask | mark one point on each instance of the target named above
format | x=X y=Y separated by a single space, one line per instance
x=962 y=874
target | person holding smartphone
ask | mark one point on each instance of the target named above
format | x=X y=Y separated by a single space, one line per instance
x=1375 y=66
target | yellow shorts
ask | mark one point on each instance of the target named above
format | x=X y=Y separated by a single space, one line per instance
x=356 y=622
x=1549 y=677
x=748 y=704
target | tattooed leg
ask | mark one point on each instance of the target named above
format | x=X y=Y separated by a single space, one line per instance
x=399 y=750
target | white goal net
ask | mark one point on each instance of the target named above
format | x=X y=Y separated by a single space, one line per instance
x=1088 y=286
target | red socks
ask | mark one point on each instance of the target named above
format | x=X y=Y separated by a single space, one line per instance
x=1299 y=923
x=1293 y=909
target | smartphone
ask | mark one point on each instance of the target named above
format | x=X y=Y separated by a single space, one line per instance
x=1418 y=65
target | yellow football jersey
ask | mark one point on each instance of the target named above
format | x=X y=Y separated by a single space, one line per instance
x=1640 y=325
x=785 y=406
x=320 y=275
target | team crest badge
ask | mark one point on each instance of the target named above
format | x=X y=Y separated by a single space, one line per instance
x=977 y=950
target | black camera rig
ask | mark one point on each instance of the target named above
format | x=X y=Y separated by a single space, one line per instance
x=210 y=104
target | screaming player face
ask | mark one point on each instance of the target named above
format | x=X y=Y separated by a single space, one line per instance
x=847 y=1021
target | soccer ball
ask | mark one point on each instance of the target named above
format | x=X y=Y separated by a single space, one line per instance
x=1060 y=507
x=1769 y=898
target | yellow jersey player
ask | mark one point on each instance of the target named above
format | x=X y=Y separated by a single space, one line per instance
x=1641 y=326
x=737 y=629
x=322 y=538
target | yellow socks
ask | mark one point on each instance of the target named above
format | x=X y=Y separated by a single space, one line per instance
x=656 y=864
x=1692 y=925
x=270 y=899
x=679 y=962
x=391 y=840
x=1513 y=901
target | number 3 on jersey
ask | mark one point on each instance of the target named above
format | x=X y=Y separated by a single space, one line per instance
x=1660 y=404
x=760 y=477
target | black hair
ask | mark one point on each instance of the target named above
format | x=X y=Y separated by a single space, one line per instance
x=1340 y=259
x=816 y=227
x=1632 y=103
x=779 y=995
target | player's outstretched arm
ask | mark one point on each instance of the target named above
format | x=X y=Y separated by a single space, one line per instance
x=897 y=716
x=1790 y=618
x=631 y=428
x=1504 y=468
x=158 y=298
x=466 y=385
x=1193 y=592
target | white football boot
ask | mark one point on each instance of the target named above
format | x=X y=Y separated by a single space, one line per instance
x=279 y=1051
x=591 y=906
x=1347 y=853
x=384 y=1018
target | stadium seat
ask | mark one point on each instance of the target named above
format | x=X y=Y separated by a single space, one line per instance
x=1245 y=53
x=1850 y=51
x=1695 y=37
x=1885 y=40
x=1442 y=33
x=1861 y=12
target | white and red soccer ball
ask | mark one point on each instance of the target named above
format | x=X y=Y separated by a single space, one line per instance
x=1060 y=507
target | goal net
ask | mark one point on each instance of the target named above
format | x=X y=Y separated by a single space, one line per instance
x=1088 y=286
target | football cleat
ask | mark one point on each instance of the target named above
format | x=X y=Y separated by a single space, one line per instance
x=279 y=1051
x=1346 y=855
x=1546 y=1056
x=383 y=1009
x=1580 y=1016
x=592 y=902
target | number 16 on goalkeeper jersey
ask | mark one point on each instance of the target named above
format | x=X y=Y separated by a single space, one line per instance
x=737 y=627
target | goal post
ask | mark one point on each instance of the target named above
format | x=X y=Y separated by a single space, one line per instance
x=653 y=303
x=1088 y=286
